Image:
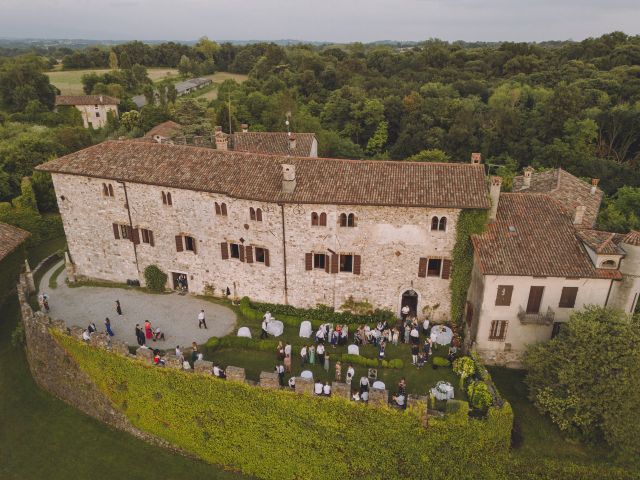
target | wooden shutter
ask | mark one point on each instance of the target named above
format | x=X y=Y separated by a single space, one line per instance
x=568 y=297
x=356 y=264
x=241 y=252
x=266 y=258
x=422 y=268
x=218 y=212
x=224 y=250
x=116 y=231
x=179 y=246
x=503 y=295
x=252 y=213
x=259 y=214
x=308 y=261
x=151 y=238
x=323 y=219
x=446 y=268
x=248 y=251
x=195 y=245
x=335 y=262
x=135 y=236
x=223 y=209
x=327 y=263
x=535 y=299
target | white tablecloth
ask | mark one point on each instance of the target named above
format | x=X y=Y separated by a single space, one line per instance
x=443 y=391
x=442 y=334
x=305 y=329
x=307 y=374
x=244 y=332
x=353 y=350
x=275 y=328
x=379 y=385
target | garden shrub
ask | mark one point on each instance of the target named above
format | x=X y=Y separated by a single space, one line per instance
x=458 y=410
x=440 y=361
x=154 y=278
x=479 y=395
x=251 y=429
x=323 y=314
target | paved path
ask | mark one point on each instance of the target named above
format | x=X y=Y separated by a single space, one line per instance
x=175 y=314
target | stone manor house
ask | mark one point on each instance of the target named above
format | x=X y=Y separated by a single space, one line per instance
x=305 y=231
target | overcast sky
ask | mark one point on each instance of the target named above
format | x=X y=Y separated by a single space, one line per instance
x=322 y=20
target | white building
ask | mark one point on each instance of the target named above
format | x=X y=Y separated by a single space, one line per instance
x=94 y=108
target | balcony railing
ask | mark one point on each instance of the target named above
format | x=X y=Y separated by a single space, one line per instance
x=536 y=318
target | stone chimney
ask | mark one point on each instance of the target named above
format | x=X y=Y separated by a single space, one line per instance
x=579 y=215
x=494 y=193
x=528 y=172
x=594 y=185
x=244 y=127
x=292 y=141
x=476 y=158
x=288 y=178
x=222 y=139
x=100 y=98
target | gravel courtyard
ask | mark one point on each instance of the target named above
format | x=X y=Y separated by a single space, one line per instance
x=176 y=315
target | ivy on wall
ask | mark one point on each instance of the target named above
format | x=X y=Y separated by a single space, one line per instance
x=252 y=429
x=470 y=222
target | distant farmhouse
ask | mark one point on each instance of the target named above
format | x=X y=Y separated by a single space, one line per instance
x=182 y=88
x=94 y=108
x=164 y=131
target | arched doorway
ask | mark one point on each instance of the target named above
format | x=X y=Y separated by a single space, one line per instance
x=410 y=299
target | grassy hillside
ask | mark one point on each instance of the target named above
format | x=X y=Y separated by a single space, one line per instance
x=70 y=81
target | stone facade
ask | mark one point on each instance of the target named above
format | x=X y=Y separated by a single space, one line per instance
x=390 y=242
x=95 y=116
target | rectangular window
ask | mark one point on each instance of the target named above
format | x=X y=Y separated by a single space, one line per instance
x=319 y=260
x=503 y=297
x=568 y=297
x=235 y=250
x=124 y=231
x=147 y=236
x=346 y=263
x=433 y=267
x=97 y=114
x=498 y=330
x=535 y=299
x=190 y=244
x=259 y=254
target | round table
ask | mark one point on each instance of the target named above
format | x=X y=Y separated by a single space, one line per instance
x=442 y=334
x=442 y=391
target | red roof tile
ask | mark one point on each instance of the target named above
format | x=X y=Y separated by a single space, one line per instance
x=602 y=242
x=165 y=129
x=11 y=238
x=275 y=143
x=259 y=177
x=86 y=100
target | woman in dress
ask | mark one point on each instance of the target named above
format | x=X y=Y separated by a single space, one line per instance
x=148 y=332
x=312 y=354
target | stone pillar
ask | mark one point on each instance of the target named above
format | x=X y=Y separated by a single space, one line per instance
x=28 y=274
x=203 y=366
x=120 y=347
x=70 y=268
x=270 y=380
x=101 y=340
x=235 y=374
x=304 y=385
x=339 y=389
x=145 y=355
x=378 y=397
x=171 y=361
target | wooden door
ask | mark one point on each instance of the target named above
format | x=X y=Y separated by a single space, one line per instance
x=535 y=299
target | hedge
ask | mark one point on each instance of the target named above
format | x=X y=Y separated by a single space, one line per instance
x=10 y=268
x=253 y=429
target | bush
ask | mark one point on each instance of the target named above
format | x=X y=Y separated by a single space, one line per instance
x=323 y=314
x=155 y=278
x=440 y=361
x=479 y=395
x=458 y=410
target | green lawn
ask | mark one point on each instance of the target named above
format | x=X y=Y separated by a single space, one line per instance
x=70 y=81
x=211 y=93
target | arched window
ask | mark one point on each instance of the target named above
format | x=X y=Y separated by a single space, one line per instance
x=323 y=219
x=443 y=224
x=314 y=219
x=223 y=209
x=218 y=211
x=252 y=213
x=434 y=223
x=351 y=220
x=169 y=201
x=164 y=198
x=343 y=219
x=608 y=264
x=259 y=214
x=105 y=190
x=110 y=190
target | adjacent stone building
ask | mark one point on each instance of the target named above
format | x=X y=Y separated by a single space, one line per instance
x=164 y=131
x=12 y=256
x=271 y=143
x=94 y=108
x=537 y=263
x=276 y=228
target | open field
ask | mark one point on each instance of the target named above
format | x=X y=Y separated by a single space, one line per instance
x=70 y=81
x=211 y=93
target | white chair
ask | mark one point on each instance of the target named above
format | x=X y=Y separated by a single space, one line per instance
x=307 y=374
x=305 y=329
x=378 y=385
x=186 y=366
x=275 y=328
x=353 y=350
x=244 y=332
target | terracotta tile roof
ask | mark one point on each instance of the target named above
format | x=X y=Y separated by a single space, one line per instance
x=276 y=143
x=165 y=129
x=259 y=177
x=10 y=238
x=569 y=190
x=602 y=242
x=632 y=238
x=86 y=100
x=533 y=235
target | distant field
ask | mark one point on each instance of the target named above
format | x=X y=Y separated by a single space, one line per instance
x=70 y=81
x=219 y=77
